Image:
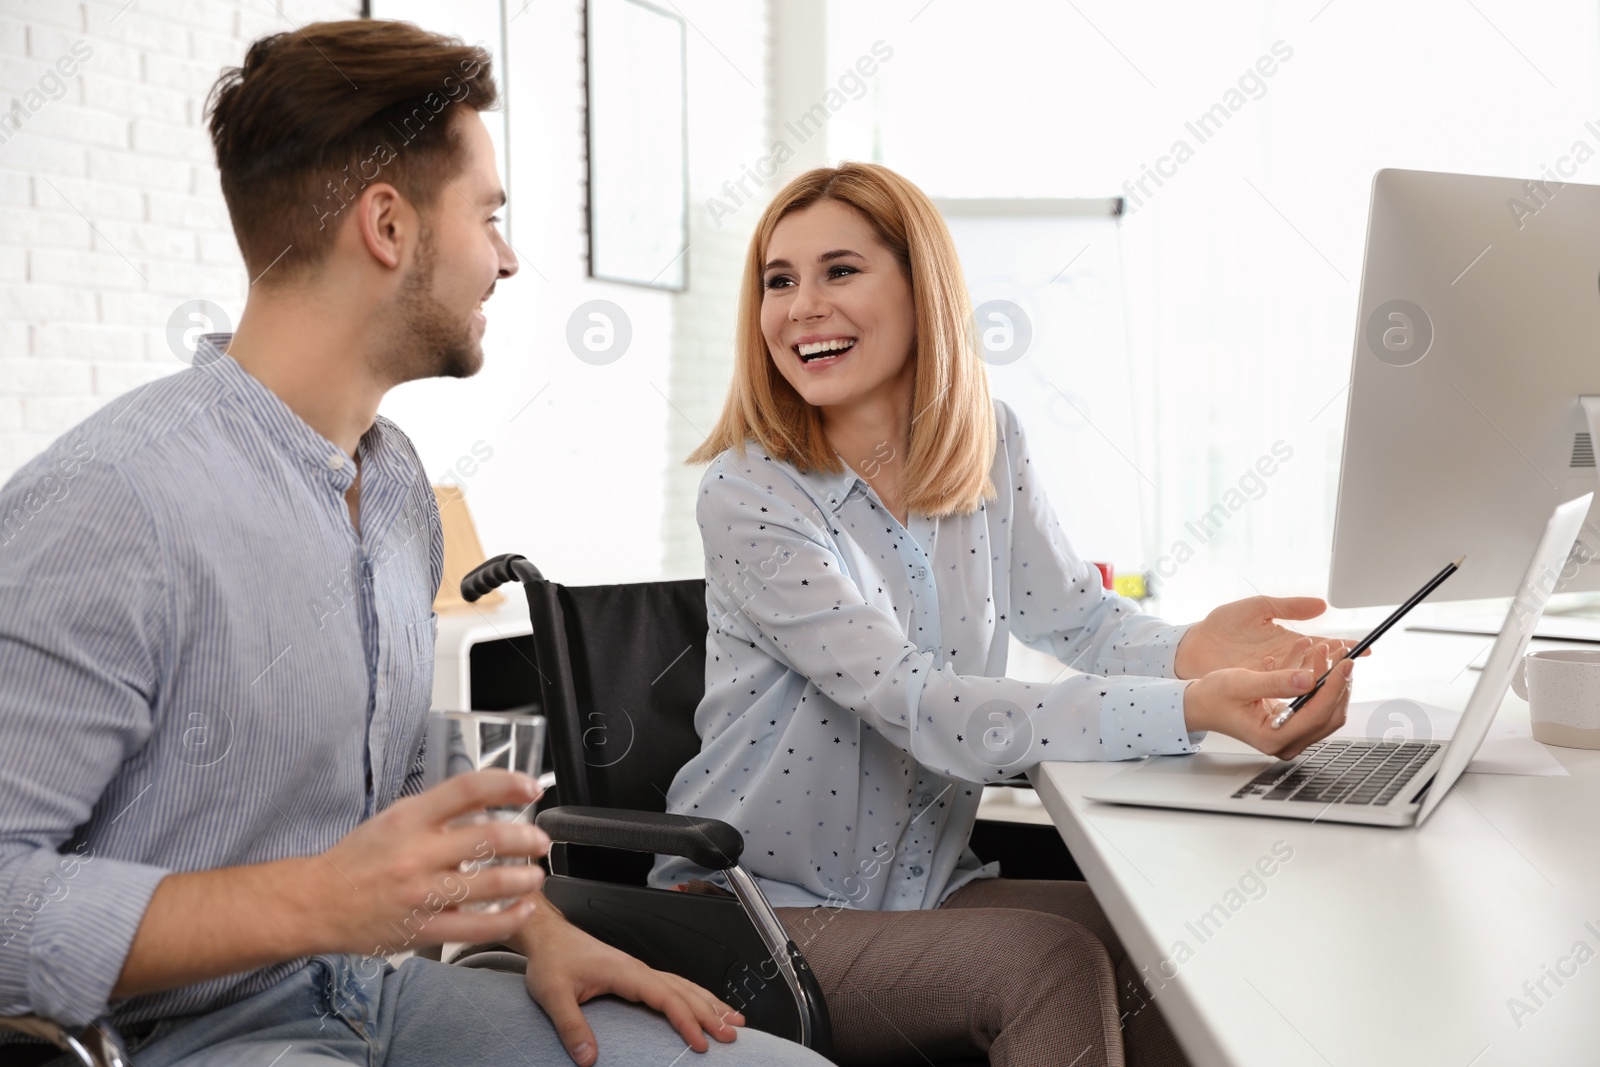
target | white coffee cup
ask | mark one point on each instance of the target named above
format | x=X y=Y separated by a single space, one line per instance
x=1562 y=688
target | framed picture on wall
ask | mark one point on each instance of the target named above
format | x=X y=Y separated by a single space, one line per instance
x=638 y=144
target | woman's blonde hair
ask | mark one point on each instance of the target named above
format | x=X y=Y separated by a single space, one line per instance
x=952 y=428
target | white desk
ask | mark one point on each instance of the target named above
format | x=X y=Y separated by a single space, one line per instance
x=1368 y=946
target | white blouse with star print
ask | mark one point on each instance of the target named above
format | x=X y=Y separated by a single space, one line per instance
x=856 y=697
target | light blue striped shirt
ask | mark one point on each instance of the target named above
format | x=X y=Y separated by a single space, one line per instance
x=856 y=697
x=201 y=665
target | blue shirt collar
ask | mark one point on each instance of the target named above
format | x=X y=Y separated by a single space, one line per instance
x=836 y=488
x=832 y=487
x=293 y=433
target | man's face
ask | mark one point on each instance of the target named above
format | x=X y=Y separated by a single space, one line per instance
x=459 y=257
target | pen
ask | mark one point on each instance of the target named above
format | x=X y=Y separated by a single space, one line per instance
x=1367 y=642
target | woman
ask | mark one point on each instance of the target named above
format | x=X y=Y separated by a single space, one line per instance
x=873 y=532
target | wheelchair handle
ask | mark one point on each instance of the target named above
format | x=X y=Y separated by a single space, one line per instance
x=493 y=573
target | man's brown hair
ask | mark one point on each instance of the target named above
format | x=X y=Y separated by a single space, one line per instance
x=316 y=114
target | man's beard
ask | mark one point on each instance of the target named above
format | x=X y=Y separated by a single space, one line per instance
x=429 y=342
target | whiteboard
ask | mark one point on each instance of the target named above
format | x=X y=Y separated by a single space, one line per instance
x=1047 y=289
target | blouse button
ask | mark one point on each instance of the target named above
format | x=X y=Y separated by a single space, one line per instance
x=916 y=872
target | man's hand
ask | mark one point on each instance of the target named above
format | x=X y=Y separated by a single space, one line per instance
x=567 y=967
x=399 y=876
x=1240 y=703
x=1245 y=633
x=394 y=882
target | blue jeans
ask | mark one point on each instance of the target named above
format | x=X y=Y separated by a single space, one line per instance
x=347 y=1010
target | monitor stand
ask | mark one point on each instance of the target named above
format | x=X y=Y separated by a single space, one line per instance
x=1578 y=620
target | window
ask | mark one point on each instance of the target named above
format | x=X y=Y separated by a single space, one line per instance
x=1245 y=138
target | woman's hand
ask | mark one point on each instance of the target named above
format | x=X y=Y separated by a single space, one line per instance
x=1241 y=703
x=1245 y=633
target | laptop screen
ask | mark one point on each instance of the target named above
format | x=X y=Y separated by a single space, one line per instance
x=1544 y=571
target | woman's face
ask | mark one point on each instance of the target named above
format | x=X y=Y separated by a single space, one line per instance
x=836 y=307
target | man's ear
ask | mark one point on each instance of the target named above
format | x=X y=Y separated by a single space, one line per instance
x=386 y=223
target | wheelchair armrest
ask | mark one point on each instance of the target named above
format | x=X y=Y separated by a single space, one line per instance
x=708 y=843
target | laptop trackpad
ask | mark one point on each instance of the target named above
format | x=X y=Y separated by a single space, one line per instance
x=1201 y=778
x=1205 y=765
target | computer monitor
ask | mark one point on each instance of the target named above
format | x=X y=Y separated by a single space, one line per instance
x=1477 y=338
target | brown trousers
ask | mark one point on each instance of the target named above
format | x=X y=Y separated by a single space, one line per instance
x=1028 y=972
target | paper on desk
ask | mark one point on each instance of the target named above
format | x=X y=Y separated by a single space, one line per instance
x=1508 y=749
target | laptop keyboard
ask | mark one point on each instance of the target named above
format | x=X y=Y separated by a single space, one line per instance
x=1342 y=772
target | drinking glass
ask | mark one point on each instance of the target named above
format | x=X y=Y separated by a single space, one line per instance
x=463 y=741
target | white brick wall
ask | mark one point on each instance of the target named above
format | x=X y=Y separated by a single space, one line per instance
x=110 y=212
x=111 y=216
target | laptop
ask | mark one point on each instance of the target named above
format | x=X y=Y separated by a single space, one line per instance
x=1376 y=783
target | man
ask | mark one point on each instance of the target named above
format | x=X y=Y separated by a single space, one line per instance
x=216 y=637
